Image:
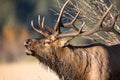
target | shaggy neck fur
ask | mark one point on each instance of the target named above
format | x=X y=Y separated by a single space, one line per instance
x=78 y=63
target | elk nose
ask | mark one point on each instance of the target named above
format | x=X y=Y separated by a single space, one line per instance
x=27 y=42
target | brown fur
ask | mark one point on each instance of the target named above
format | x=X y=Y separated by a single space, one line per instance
x=92 y=62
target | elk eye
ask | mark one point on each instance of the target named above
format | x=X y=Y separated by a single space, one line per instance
x=47 y=42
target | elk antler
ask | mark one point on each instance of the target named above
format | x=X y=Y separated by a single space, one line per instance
x=59 y=23
x=41 y=31
x=42 y=26
x=67 y=25
x=56 y=33
x=98 y=27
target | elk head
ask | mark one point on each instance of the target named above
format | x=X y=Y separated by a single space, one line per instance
x=58 y=40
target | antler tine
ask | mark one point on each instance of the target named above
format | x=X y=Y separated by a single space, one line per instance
x=39 y=20
x=39 y=31
x=47 y=27
x=72 y=34
x=41 y=25
x=80 y=29
x=113 y=24
x=71 y=24
x=58 y=23
x=43 y=21
x=111 y=27
x=98 y=27
x=103 y=17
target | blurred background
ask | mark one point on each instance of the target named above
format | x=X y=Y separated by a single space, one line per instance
x=15 y=17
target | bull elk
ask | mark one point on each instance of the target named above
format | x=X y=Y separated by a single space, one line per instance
x=91 y=62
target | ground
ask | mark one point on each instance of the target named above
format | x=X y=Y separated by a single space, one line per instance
x=26 y=71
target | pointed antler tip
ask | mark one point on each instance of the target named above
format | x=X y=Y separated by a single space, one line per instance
x=43 y=21
x=80 y=29
x=67 y=1
x=38 y=17
x=31 y=22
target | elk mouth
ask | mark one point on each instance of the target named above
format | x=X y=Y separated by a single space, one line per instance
x=29 y=51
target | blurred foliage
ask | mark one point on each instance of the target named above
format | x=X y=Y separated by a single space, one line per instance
x=15 y=17
x=12 y=41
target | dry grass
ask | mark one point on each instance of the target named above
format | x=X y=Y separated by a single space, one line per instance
x=26 y=71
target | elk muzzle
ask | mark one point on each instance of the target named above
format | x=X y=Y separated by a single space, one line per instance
x=28 y=50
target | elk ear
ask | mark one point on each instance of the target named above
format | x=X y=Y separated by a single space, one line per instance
x=63 y=42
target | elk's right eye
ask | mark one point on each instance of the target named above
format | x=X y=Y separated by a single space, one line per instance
x=46 y=43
